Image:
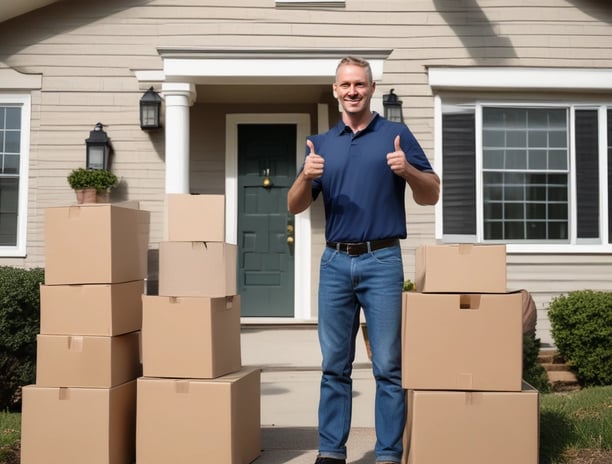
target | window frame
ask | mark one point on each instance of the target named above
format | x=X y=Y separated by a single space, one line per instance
x=574 y=245
x=25 y=102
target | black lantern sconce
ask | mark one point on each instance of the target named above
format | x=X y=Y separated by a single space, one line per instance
x=98 y=148
x=393 y=107
x=150 y=109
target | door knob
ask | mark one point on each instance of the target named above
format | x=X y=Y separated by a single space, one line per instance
x=290 y=240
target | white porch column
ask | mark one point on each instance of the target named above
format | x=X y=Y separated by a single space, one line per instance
x=178 y=98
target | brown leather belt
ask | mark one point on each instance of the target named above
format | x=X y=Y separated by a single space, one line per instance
x=356 y=249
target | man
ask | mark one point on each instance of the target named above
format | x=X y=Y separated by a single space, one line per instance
x=362 y=167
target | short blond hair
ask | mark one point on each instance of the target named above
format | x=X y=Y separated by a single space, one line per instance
x=354 y=60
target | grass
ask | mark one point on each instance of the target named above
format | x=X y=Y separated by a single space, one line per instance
x=569 y=423
x=10 y=427
x=580 y=420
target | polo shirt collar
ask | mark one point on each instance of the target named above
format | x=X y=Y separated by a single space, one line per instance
x=342 y=128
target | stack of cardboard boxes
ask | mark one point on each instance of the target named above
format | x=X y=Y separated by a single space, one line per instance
x=83 y=405
x=195 y=402
x=462 y=362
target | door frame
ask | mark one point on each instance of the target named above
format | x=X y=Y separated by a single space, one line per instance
x=302 y=308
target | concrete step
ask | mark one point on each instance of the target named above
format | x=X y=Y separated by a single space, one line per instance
x=562 y=381
x=548 y=367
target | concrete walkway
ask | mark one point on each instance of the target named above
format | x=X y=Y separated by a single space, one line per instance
x=290 y=360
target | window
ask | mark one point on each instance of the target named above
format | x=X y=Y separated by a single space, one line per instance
x=14 y=145
x=525 y=174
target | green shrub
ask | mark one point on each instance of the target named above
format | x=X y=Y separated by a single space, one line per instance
x=533 y=372
x=582 y=330
x=19 y=325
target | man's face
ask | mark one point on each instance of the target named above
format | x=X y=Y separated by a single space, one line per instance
x=353 y=89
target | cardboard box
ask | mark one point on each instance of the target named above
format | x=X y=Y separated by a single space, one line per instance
x=461 y=268
x=472 y=427
x=78 y=425
x=95 y=244
x=462 y=341
x=190 y=337
x=193 y=218
x=87 y=361
x=208 y=421
x=197 y=269
x=99 y=309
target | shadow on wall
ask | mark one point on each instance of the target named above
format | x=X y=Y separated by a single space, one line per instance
x=475 y=31
x=600 y=10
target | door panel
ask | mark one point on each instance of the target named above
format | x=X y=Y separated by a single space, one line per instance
x=265 y=263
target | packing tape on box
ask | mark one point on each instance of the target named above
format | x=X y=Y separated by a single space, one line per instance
x=181 y=386
x=74 y=211
x=465 y=248
x=75 y=343
x=63 y=393
x=465 y=380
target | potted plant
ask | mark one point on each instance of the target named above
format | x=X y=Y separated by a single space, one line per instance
x=91 y=183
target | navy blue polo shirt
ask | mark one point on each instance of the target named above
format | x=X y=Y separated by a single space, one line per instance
x=364 y=199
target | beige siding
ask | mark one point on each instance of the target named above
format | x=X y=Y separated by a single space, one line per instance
x=86 y=53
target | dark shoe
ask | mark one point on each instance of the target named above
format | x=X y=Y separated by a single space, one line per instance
x=322 y=460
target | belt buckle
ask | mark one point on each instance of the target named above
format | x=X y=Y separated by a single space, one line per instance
x=350 y=247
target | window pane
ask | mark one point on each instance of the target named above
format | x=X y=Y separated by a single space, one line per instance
x=538 y=160
x=516 y=139
x=11 y=164
x=516 y=159
x=530 y=199
x=538 y=139
x=493 y=159
x=13 y=118
x=9 y=196
x=12 y=142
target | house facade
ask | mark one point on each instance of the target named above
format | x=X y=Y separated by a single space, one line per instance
x=512 y=102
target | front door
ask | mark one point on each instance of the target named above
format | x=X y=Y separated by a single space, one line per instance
x=266 y=170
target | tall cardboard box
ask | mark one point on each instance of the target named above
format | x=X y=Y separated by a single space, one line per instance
x=190 y=337
x=462 y=341
x=208 y=421
x=78 y=425
x=197 y=269
x=95 y=244
x=87 y=361
x=193 y=218
x=460 y=268
x=472 y=427
x=99 y=309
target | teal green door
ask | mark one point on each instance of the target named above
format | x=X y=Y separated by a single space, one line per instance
x=266 y=152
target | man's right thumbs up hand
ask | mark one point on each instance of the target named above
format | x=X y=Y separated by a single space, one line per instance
x=313 y=165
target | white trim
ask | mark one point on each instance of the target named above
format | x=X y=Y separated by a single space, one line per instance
x=259 y=66
x=604 y=206
x=25 y=102
x=302 y=261
x=483 y=78
x=310 y=3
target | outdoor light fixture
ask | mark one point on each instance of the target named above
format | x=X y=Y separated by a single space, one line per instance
x=98 y=148
x=393 y=107
x=150 y=109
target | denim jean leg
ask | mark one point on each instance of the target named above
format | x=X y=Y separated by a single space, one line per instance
x=380 y=293
x=338 y=325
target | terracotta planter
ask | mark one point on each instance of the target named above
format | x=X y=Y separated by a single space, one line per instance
x=86 y=196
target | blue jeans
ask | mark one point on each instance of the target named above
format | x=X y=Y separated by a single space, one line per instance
x=372 y=281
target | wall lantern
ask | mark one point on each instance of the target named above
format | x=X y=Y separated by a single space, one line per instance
x=98 y=149
x=393 y=107
x=150 y=109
